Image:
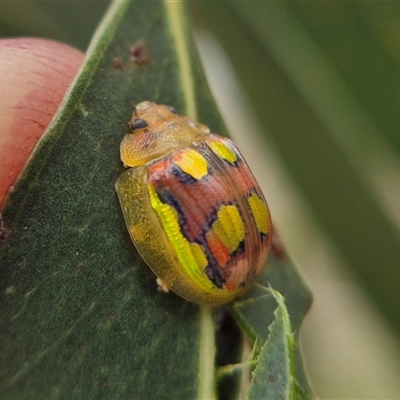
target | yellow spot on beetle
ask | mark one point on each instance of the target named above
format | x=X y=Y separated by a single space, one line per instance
x=260 y=212
x=193 y=163
x=199 y=255
x=229 y=227
x=223 y=151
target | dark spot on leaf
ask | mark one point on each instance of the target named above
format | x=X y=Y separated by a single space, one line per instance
x=140 y=53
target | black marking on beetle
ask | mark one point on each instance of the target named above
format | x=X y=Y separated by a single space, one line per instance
x=240 y=249
x=212 y=272
x=264 y=236
x=253 y=190
x=186 y=178
x=139 y=123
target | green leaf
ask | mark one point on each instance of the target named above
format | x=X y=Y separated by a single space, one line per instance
x=275 y=375
x=80 y=313
x=257 y=316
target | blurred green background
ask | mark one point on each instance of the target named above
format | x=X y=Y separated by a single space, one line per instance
x=311 y=93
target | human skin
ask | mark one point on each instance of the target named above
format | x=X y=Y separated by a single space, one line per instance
x=34 y=77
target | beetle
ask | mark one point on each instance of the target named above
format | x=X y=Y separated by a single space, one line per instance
x=192 y=207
